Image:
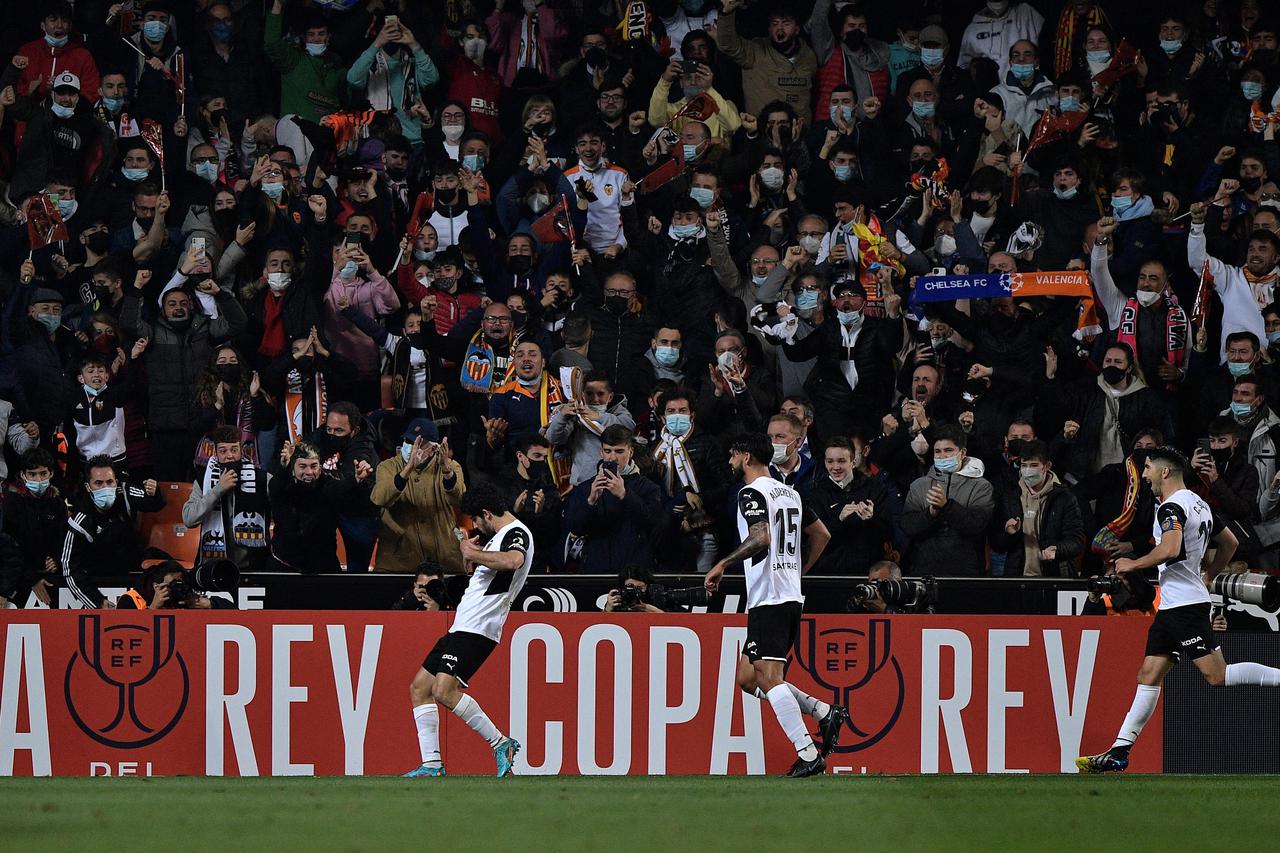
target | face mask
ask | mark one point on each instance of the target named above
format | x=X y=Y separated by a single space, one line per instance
x=1239 y=368
x=1068 y=103
x=1067 y=194
x=423 y=255
x=518 y=319
x=207 y=171
x=474 y=48
x=1251 y=184
x=598 y=408
x=112 y=104
x=780 y=453
x=134 y=175
x=843 y=172
x=104 y=498
x=452 y=132
x=519 y=264
x=278 y=281
x=530 y=382
x=91 y=391
x=678 y=424
x=843 y=112
x=1241 y=411
x=1221 y=457
x=1147 y=298
x=1171 y=45
x=273 y=189
x=55 y=41
x=932 y=56
x=1273 y=338
x=1022 y=70
x=617 y=304
x=727 y=360
x=348 y=271
x=221 y=31
x=405 y=449
x=35 y=487
x=1033 y=476
x=684 y=232
x=180 y=324
x=807 y=300
x=50 y=321
x=811 y=245
x=771 y=177
x=946 y=466
x=539 y=202
x=228 y=373
x=848 y=318
x=1113 y=375
x=703 y=196
x=67 y=207
x=945 y=246
x=1098 y=57
x=757 y=280
x=924 y=109
x=690 y=152
x=1121 y=203
x=666 y=356
x=473 y=162
x=154 y=30
x=316 y=49
x=62 y=112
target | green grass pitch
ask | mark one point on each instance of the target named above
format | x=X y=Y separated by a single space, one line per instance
x=833 y=813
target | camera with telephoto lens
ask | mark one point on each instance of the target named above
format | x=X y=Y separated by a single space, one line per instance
x=209 y=576
x=1105 y=584
x=903 y=595
x=1249 y=588
x=629 y=597
x=668 y=599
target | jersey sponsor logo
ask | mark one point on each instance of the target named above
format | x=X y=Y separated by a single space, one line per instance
x=750 y=504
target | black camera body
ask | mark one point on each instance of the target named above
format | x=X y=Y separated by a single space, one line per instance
x=629 y=597
x=907 y=596
x=209 y=576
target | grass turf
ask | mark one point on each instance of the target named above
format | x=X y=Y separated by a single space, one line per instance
x=1164 y=813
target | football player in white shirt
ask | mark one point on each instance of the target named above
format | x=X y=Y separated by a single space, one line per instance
x=1183 y=528
x=500 y=568
x=770 y=518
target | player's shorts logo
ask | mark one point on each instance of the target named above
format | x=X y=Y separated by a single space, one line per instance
x=127 y=686
x=848 y=661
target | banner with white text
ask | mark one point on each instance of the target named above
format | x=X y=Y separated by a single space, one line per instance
x=109 y=693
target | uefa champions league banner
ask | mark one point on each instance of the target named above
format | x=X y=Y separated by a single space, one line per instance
x=108 y=693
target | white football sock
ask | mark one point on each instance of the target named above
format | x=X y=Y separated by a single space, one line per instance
x=815 y=708
x=787 y=711
x=470 y=712
x=427 y=719
x=1144 y=705
x=1252 y=673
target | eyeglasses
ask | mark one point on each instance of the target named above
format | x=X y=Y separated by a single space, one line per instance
x=613 y=97
x=613 y=291
x=498 y=321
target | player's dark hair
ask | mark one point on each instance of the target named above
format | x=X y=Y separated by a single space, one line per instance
x=482 y=498
x=756 y=445
x=1168 y=457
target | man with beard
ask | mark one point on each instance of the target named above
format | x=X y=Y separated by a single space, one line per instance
x=304 y=508
x=778 y=68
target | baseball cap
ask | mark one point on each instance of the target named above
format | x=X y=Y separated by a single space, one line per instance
x=47 y=294
x=421 y=427
x=66 y=80
x=934 y=34
x=848 y=286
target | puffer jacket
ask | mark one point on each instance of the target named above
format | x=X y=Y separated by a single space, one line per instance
x=950 y=543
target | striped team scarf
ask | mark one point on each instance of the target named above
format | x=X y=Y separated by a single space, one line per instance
x=303 y=412
x=1067 y=23
x=1119 y=526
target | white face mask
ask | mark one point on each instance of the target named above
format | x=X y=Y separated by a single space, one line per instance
x=945 y=245
x=452 y=132
x=771 y=177
x=727 y=360
x=278 y=281
x=780 y=453
x=1147 y=298
x=811 y=244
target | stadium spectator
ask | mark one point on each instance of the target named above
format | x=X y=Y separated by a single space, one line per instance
x=613 y=519
x=229 y=503
x=418 y=489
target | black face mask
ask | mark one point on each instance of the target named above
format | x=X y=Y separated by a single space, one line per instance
x=1251 y=185
x=1113 y=375
x=518 y=319
x=145 y=224
x=597 y=58
x=216 y=118
x=542 y=129
x=305 y=363
x=446 y=196
x=1221 y=457
x=338 y=443
x=520 y=264
x=1015 y=449
x=226 y=220
x=975 y=388
x=396 y=174
x=855 y=39
x=918 y=165
x=228 y=373
x=617 y=304
x=97 y=242
x=181 y=325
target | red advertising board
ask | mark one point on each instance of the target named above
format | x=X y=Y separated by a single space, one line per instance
x=297 y=693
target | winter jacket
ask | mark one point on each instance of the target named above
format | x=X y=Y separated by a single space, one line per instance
x=877 y=344
x=39 y=526
x=103 y=542
x=299 y=311
x=583 y=439
x=44 y=61
x=616 y=532
x=991 y=36
x=1084 y=401
x=338 y=460
x=311 y=87
x=1059 y=525
x=418 y=514
x=374 y=296
x=767 y=74
x=304 y=536
x=950 y=543
x=1024 y=106
x=855 y=544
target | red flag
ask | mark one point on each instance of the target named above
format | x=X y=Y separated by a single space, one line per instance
x=153 y=135
x=415 y=220
x=553 y=226
x=44 y=222
x=1200 y=313
x=698 y=108
x=1054 y=125
x=665 y=173
x=1123 y=62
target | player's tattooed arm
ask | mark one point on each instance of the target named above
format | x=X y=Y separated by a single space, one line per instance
x=757 y=540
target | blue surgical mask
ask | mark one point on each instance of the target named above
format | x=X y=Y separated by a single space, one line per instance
x=1273 y=338
x=1241 y=411
x=690 y=152
x=316 y=49
x=684 y=232
x=847 y=317
x=1121 y=203
x=844 y=112
x=1251 y=89
x=1022 y=70
x=207 y=171
x=423 y=255
x=473 y=162
x=1067 y=194
x=948 y=465
x=1098 y=57
x=405 y=449
x=154 y=30
x=67 y=207
x=1171 y=45
x=932 y=56
x=844 y=172
x=758 y=280
x=1068 y=103
x=348 y=270
x=807 y=299
x=703 y=196
x=666 y=356
x=50 y=321
x=678 y=424
x=924 y=109
x=62 y=112
x=1239 y=368
x=112 y=104
x=36 y=487
x=91 y=391
x=104 y=498
x=55 y=41
x=134 y=175
x=221 y=30
x=273 y=189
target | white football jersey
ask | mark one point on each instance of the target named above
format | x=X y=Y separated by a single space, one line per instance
x=487 y=601
x=773 y=576
x=1180 y=582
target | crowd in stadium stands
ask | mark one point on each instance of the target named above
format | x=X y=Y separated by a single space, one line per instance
x=306 y=271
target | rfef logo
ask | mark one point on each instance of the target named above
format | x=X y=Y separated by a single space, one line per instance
x=846 y=661
x=126 y=687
